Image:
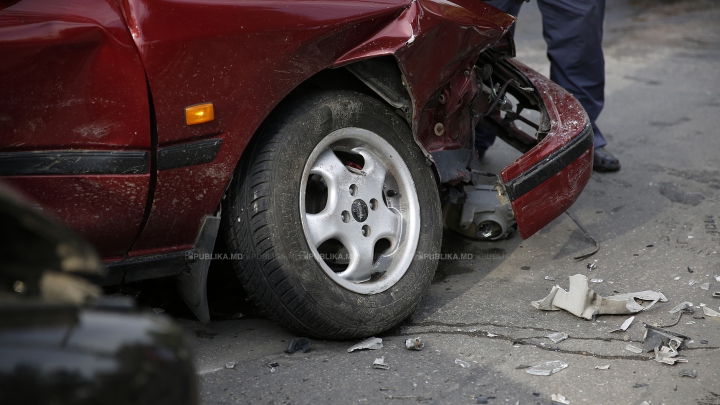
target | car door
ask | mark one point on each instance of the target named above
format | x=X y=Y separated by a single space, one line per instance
x=75 y=132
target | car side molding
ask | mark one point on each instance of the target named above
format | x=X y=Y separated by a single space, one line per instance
x=63 y=162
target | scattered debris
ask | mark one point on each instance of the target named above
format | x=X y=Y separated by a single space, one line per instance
x=587 y=235
x=414 y=344
x=586 y=303
x=272 y=367
x=704 y=342
x=557 y=337
x=463 y=364
x=419 y=399
x=301 y=343
x=230 y=364
x=640 y=385
x=656 y=337
x=372 y=343
x=549 y=278
x=547 y=368
x=705 y=286
x=692 y=282
x=483 y=399
x=716 y=294
x=559 y=399
x=596 y=280
x=709 y=312
x=522 y=367
x=688 y=373
x=379 y=363
x=625 y=325
x=528 y=268
x=717 y=278
x=677 y=278
x=633 y=349
x=605 y=367
x=158 y=310
x=690 y=270
x=592 y=265
x=491 y=335
x=681 y=306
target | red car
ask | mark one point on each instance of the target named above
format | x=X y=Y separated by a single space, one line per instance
x=320 y=139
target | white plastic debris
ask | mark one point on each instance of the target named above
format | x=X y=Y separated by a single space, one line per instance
x=414 y=344
x=677 y=278
x=230 y=364
x=463 y=364
x=372 y=343
x=625 y=325
x=679 y=307
x=717 y=278
x=604 y=367
x=379 y=363
x=547 y=368
x=709 y=312
x=705 y=286
x=491 y=335
x=633 y=349
x=596 y=280
x=549 y=278
x=559 y=399
x=583 y=302
x=557 y=337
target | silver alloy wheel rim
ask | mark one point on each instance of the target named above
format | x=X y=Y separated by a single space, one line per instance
x=363 y=207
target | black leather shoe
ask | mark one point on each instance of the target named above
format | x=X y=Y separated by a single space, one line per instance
x=604 y=161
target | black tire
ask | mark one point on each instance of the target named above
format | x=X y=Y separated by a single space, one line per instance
x=263 y=221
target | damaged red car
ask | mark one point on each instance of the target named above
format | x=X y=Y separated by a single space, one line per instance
x=326 y=142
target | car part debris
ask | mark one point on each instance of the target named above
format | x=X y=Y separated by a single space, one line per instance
x=681 y=306
x=414 y=344
x=690 y=270
x=587 y=235
x=301 y=343
x=272 y=367
x=688 y=373
x=633 y=349
x=486 y=213
x=379 y=363
x=604 y=367
x=668 y=355
x=677 y=278
x=481 y=399
x=625 y=325
x=656 y=337
x=592 y=265
x=559 y=399
x=583 y=302
x=705 y=286
x=596 y=280
x=549 y=278
x=717 y=278
x=230 y=364
x=557 y=337
x=492 y=335
x=372 y=343
x=709 y=312
x=522 y=367
x=463 y=364
x=547 y=368
x=716 y=294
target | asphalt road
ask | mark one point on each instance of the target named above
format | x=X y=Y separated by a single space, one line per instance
x=653 y=220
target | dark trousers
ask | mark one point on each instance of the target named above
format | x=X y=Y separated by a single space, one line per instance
x=573 y=30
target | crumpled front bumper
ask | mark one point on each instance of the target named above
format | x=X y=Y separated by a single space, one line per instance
x=545 y=181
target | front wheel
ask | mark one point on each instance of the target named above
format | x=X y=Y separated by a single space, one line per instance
x=336 y=216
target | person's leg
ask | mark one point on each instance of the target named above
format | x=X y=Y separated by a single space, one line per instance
x=484 y=138
x=573 y=30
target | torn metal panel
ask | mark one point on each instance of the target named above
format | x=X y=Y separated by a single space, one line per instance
x=581 y=301
x=372 y=343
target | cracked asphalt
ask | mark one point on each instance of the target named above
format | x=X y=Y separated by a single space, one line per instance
x=655 y=218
